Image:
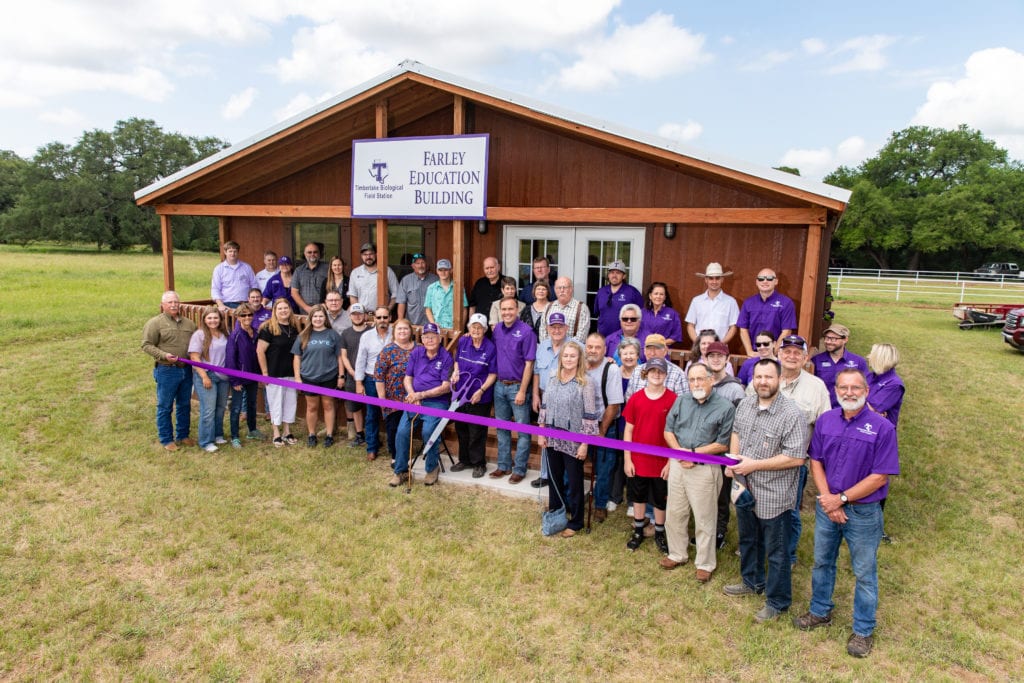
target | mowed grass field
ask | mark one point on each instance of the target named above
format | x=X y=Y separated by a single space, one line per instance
x=121 y=561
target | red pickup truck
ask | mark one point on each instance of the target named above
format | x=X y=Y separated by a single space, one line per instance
x=1013 y=330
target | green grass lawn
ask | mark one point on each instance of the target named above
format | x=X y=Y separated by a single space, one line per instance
x=119 y=560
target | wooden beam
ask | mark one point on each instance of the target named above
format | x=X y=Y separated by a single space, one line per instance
x=222 y=233
x=553 y=214
x=458 y=229
x=809 y=290
x=383 y=293
x=167 y=244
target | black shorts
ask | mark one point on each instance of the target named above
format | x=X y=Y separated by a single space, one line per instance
x=643 y=490
x=326 y=384
x=350 y=387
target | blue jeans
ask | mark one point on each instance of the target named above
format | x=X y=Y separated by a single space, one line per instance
x=761 y=540
x=244 y=397
x=212 y=404
x=391 y=422
x=173 y=393
x=863 y=533
x=505 y=408
x=796 y=526
x=404 y=436
x=604 y=468
x=373 y=415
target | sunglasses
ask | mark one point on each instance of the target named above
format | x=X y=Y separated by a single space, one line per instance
x=629 y=320
x=244 y=315
x=762 y=345
x=765 y=278
x=382 y=317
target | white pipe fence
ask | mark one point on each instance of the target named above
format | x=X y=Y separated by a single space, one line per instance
x=924 y=286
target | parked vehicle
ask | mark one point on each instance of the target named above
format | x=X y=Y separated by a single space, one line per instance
x=1013 y=330
x=981 y=315
x=999 y=269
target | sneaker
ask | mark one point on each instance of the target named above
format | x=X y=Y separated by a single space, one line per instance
x=311 y=441
x=539 y=483
x=661 y=540
x=431 y=477
x=806 y=622
x=886 y=538
x=210 y=448
x=459 y=467
x=278 y=442
x=719 y=541
x=635 y=539
x=738 y=589
x=859 y=646
x=290 y=439
x=328 y=441
x=629 y=511
x=220 y=441
x=398 y=479
x=766 y=613
x=255 y=434
x=610 y=507
x=360 y=440
x=236 y=443
x=479 y=471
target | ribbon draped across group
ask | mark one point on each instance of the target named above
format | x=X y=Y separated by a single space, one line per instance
x=599 y=441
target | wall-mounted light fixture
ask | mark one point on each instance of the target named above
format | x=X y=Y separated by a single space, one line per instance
x=670 y=230
x=481 y=227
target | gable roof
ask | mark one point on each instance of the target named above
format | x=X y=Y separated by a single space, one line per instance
x=780 y=181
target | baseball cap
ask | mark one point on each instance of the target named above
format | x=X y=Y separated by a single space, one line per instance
x=367 y=247
x=431 y=328
x=617 y=265
x=478 y=319
x=656 y=364
x=794 y=340
x=655 y=340
x=356 y=308
x=444 y=263
x=417 y=256
x=838 y=330
x=285 y=260
x=718 y=347
x=556 y=318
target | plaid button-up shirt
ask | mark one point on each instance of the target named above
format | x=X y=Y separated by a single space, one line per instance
x=764 y=433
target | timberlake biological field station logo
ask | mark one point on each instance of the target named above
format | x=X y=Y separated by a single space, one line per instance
x=378 y=170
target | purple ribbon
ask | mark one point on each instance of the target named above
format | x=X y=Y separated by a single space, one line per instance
x=494 y=423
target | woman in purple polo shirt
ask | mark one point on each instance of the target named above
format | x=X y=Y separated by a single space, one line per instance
x=241 y=355
x=476 y=371
x=885 y=387
x=660 y=317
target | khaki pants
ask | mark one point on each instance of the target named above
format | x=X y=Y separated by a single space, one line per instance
x=694 y=489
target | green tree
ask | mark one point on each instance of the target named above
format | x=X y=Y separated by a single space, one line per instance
x=929 y=191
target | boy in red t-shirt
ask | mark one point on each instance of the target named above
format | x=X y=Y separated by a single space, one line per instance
x=645 y=415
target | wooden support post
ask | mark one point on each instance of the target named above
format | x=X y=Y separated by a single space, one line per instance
x=167 y=244
x=809 y=291
x=383 y=293
x=458 y=231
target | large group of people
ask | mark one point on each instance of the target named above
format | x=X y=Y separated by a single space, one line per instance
x=530 y=355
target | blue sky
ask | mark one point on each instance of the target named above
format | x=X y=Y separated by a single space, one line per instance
x=811 y=85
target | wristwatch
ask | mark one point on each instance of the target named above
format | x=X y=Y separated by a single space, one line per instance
x=842 y=497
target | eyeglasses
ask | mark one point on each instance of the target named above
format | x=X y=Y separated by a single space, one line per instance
x=312 y=253
x=833 y=339
x=762 y=345
x=629 y=320
x=382 y=317
x=244 y=315
x=765 y=278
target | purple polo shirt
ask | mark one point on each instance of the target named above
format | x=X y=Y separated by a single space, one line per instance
x=885 y=394
x=429 y=373
x=776 y=313
x=611 y=342
x=607 y=305
x=475 y=364
x=516 y=345
x=665 y=322
x=852 y=449
x=827 y=369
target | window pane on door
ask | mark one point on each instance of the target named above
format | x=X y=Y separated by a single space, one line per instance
x=403 y=242
x=530 y=249
x=323 y=234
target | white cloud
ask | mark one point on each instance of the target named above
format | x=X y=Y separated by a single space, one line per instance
x=64 y=116
x=683 y=132
x=238 y=104
x=989 y=97
x=867 y=54
x=768 y=60
x=816 y=163
x=652 y=49
x=813 y=46
x=299 y=104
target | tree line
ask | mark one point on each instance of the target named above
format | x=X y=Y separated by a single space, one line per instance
x=930 y=199
x=84 y=193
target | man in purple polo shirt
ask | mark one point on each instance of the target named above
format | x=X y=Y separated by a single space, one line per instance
x=835 y=358
x=428 y=383
x=476 y=365
x=517 y=349
x=853 y=453
x=766 y=310
x=613 y=296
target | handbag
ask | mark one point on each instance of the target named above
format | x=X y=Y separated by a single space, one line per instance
x=554 y=521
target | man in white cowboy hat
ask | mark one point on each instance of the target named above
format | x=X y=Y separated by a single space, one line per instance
x=713 y=309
